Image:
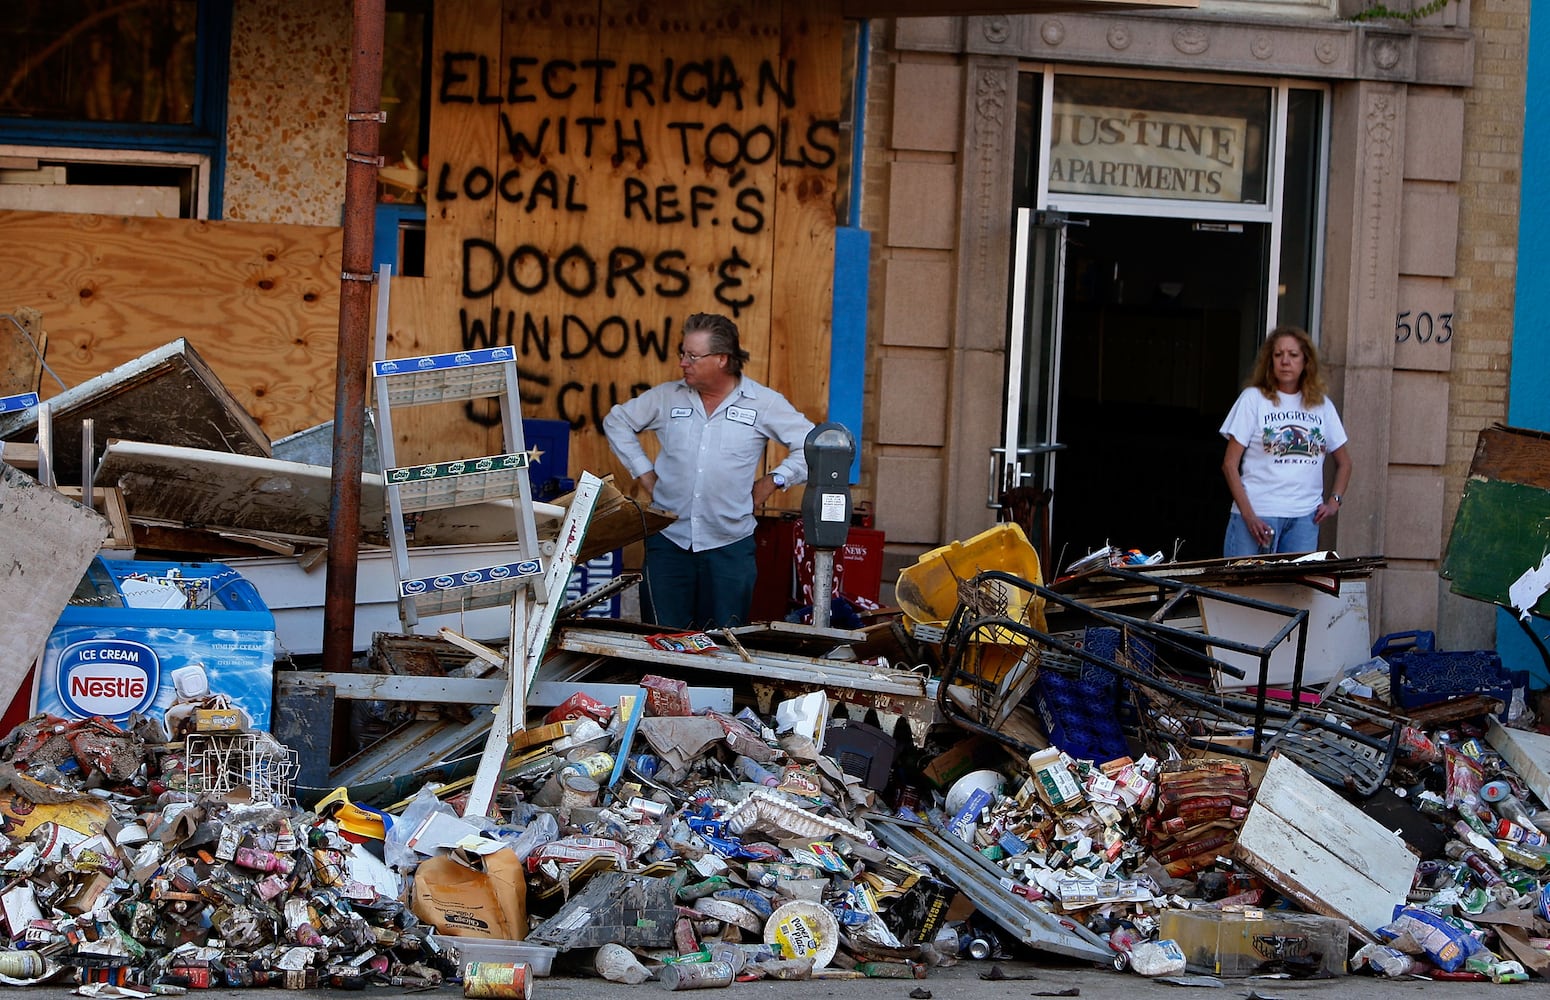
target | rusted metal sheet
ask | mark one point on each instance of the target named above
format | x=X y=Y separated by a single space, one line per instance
x=979 y=880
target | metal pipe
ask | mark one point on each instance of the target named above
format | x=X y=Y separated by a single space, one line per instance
x=823 y=586
x=88 y=445
x=360 y=205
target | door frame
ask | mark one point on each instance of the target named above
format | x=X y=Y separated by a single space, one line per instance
x=1028 y=278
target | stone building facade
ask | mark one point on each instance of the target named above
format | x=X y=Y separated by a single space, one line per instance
x=1410 y=269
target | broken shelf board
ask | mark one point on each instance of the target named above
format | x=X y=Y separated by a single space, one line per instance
x=216 y=490
x=50 y=541
x=617 y=521
x=169 y=396
x=1528 y=753
x=480 y=690
x=767 y=665
x=195 y=486
x=1323 y=852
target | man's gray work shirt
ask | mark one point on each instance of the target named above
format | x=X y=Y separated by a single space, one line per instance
x=707 y=464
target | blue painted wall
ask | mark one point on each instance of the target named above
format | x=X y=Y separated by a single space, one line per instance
x=1528 y=399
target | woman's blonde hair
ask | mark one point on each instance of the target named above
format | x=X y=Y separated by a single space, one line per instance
x=1263 y=376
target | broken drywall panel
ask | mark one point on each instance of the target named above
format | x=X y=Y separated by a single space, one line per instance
x=48 y=543
x=167 y=396
x=1323 y=852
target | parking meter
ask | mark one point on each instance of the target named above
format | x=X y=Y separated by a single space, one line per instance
x=826 y=507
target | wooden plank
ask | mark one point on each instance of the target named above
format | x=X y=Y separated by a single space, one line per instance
x=260 y=301
x=1512 y=454
x=1323 y=852
x=398 y=687
x=49 y=543
x=242 y=492
x=802 y=292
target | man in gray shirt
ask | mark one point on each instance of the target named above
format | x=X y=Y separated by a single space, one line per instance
x=712 y=427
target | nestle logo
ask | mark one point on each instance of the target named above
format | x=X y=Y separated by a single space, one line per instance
x=107 y=687
x=107 y=677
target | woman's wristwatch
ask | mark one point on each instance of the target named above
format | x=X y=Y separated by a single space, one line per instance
x=1334 y=498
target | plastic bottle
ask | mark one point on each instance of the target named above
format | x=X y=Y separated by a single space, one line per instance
x=756 y=772
x=1515 y=809
x=618 y=964
x=1384 y=960
x=1530 y=836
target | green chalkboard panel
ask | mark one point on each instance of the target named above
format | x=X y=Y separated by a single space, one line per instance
x=1502 y=530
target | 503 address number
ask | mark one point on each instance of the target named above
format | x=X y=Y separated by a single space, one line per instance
x=1426 y=328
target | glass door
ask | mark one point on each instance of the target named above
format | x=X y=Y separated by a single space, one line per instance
x=1022 y=468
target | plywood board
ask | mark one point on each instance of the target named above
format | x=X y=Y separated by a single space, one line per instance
x=601 y=170
x=167 y=396
x=23 y=346
x=1323 y=852
x=259 y=301
x=1514 y=455
x=49 y=543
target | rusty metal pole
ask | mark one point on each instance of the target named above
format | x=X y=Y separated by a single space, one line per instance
x=363 y=126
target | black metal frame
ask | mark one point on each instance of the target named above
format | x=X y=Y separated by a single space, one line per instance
x=1324 y=739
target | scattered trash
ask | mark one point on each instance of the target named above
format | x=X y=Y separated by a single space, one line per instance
x=994 y=767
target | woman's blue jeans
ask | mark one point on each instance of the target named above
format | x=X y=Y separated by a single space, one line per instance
x=1292 y=534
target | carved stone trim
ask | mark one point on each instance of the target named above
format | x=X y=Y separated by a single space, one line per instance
x=1378 y=121
x=992 y=105
x=1191 y=39
x=1198 y=43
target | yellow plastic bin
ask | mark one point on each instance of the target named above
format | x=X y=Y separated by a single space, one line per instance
x=928 y=593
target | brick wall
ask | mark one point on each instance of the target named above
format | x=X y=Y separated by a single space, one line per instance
x=1489 y=189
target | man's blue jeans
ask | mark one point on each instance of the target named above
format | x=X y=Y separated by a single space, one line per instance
x=1292 y=534
x=712 y=588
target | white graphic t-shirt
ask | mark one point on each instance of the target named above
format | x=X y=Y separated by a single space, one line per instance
x=1284 y=446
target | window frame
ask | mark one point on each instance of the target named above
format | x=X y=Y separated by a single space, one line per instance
x=203 y=138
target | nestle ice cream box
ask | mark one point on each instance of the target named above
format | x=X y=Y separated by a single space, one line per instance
x=141 y=636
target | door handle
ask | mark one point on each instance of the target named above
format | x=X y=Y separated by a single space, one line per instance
x=997 y=478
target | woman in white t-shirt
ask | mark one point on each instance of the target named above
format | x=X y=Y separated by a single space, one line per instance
x=1279 y=433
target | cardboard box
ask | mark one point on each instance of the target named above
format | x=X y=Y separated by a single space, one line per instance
x=1254 y=942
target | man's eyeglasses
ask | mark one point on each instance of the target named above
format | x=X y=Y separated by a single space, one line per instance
x=692 y=358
